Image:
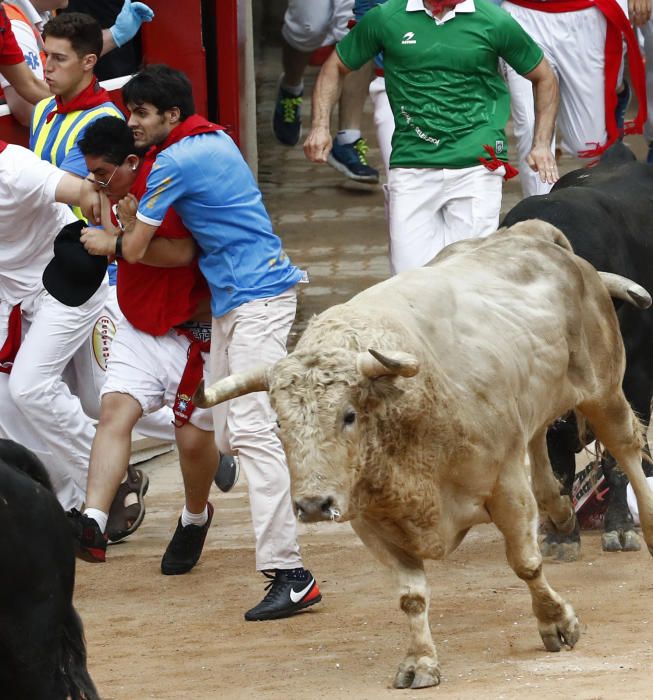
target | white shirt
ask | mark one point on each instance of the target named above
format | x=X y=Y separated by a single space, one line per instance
x=30 y=219
x=418 y=6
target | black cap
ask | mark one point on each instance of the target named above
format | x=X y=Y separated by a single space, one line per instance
x=73 y=275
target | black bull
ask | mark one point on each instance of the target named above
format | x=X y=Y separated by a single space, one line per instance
x=42 y=650
x=606 y=212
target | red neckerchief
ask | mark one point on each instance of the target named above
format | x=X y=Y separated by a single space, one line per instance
x=191 y=126
x=439 y=6
x=618 y=26
x=3 y=145
x=92 y=96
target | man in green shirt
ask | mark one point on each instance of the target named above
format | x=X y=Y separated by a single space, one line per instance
x=450 y=108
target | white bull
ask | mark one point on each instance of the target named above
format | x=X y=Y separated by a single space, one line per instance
x=425 y=435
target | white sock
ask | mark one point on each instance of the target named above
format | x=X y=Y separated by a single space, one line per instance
x=199 y=519
x=346 y=136
x=295 y=90
x=100 y=517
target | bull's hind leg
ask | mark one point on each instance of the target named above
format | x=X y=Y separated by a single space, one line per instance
x=616 y=426
x=514 y=511
x=420 y=668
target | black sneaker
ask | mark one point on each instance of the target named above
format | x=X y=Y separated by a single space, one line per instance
x=288 y=592
x=351 y=160
x=287 y=118
x=90 y=541
x=227 y=473
x=185 y=547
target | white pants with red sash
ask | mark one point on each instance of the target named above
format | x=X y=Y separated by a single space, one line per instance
x=574 y=45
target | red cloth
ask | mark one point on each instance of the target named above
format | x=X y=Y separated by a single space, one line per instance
x=439 y=6
x=10 y=51
x=91 y=96
x=191 y=126
x=3 y=145
x=618 y=27
x=9 y=349
x=193 y=373
x=493 y=163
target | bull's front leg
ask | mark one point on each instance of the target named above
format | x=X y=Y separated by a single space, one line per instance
x=420 y=667
x=514 y=511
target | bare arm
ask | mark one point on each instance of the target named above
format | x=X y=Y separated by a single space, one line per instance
x=108 y=44
x=69 y=190
x=547 y=96
x=325 y=95
x=21 y=109
x=26 y=84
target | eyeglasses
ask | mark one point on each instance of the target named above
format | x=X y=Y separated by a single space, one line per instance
x=101 y=183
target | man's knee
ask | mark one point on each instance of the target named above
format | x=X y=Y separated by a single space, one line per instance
x=119 y=412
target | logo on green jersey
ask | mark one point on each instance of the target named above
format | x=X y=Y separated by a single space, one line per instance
x=409 y=38
x=498 y=146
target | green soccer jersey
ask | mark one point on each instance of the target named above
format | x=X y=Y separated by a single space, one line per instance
x=443 y=83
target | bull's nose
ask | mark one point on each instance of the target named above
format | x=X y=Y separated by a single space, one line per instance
x=315 y=508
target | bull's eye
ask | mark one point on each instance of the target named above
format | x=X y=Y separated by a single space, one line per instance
x=350 y=417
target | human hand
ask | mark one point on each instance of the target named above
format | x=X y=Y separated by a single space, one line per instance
x=97 y=241
x=129 y=21
x=639 y=11
x=126 y=211
x=318 y=144
x=542 y=161
x=89 y=202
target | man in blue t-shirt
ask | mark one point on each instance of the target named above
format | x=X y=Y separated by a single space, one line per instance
x=200 y=171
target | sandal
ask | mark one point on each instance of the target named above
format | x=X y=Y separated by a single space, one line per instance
x=128 y=507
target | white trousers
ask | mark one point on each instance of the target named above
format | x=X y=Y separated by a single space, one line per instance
x=50 y=411
x=251 y=335
x=574 y=45
x=384 y=120
x=62 y=437
x=431 y=208
x=310 y=24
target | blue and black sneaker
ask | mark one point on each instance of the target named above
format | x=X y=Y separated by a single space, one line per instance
x=351 y=160
x=287 y=119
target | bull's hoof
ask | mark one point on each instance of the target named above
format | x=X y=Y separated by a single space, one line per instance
x=620 y=541
x=555 y=545
x=565 y=632
x=424 y=674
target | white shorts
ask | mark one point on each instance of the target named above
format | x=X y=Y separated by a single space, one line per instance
x=310 y=24
x=149 y=368
x=430 y=208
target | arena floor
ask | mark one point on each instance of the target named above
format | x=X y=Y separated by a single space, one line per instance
x=168 y=638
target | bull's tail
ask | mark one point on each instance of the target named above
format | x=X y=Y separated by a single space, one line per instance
x=625 y=289
x=74 y=677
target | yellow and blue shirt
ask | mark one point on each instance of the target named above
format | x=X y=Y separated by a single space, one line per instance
x=56 y=140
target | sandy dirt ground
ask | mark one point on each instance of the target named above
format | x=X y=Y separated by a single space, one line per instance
x=151 y=636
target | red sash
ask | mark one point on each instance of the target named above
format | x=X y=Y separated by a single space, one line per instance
x=193 y=372
x=9 y=350
x=618 y=26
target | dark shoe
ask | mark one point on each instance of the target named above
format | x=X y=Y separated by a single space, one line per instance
x=351 y=160
x=90 y=541
x=227 y=473
x=623 y=98
x=125 y=519
x=185 y=547
x=649 y=155
x=287 y=118
x=288 y=592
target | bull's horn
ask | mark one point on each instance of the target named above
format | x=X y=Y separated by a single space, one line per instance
x=623 y=288
x=231 y=387
x=373 y=364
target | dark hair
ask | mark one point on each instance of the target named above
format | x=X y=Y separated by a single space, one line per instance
x=83 y=31
x=163 y=87
x=108 y=138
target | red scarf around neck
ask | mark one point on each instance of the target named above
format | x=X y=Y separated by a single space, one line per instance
x=92 y=96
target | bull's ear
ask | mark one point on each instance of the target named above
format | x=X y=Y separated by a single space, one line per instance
x=373 y=364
